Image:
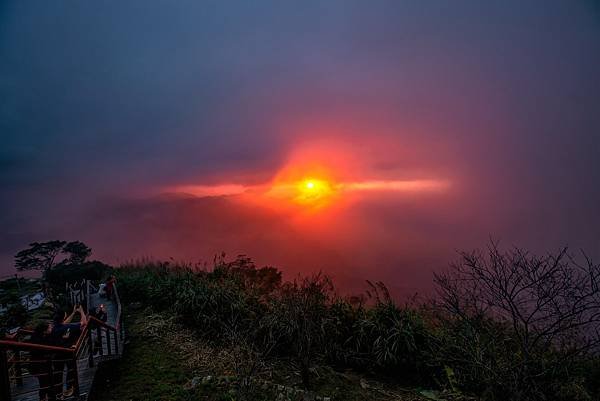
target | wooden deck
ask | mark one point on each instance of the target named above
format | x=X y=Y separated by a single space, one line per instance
x=87 y=353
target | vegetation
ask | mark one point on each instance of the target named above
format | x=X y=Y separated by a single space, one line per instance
x=11 y=291
x=73 y=268
x=505 y=326
x=72 y=272
x=165 y=360
x=45 y=256
x=520 y=326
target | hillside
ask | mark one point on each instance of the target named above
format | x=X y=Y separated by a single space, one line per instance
x=166 y=361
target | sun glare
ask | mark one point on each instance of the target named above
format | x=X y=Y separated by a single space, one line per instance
x=313 y=191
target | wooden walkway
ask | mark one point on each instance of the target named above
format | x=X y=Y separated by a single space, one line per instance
x=98 y=342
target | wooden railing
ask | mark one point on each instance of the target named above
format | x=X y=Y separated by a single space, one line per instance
x=96 y=339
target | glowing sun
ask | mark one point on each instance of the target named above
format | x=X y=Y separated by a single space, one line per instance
x=311 y=191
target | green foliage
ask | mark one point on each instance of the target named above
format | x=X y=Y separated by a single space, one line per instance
x=69 y=273
x=304 y=321
x=149 y=370
x=77 y=252
x=45 y=255
x=16 y=315
x=39 y=255
x=297 y=319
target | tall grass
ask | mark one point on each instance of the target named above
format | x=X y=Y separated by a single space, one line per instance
x=305 y=321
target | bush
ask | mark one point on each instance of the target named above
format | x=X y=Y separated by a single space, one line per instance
x=515 y=325
x=16 y=315
x=61 y=274
x=475 y=339
x=302 y=319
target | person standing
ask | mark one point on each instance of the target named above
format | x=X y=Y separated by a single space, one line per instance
x=40 y=361
x=66 y=334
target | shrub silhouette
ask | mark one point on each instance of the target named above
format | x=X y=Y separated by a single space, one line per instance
x=505 y=325
x=515 y=324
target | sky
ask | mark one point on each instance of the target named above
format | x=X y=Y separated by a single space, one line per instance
x=158 y=129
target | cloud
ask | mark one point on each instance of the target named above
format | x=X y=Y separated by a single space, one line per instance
x=105 y=105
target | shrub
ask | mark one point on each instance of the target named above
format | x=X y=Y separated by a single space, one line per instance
x=61 y=274
x=302 y=319
x=506 y=327
x=515 y=324
x=297 y=320
x=16 y=315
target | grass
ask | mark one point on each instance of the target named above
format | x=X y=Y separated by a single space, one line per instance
x=147 y=371
x=161 y=359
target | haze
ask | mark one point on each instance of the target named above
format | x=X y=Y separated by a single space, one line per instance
x=155 y=129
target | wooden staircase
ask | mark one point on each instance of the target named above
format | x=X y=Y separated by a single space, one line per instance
x=98 y=342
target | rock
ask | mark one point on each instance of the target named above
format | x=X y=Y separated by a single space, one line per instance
x=192 y=383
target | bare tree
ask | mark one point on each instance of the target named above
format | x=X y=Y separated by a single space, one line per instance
x=549 y=305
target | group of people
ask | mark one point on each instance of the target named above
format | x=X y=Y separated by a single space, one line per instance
x=49 y=367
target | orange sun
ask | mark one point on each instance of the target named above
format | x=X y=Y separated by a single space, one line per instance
x=313 y=191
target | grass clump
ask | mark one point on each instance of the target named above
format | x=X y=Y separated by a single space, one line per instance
x=505 y=326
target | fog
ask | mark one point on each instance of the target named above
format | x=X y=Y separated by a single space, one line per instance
x=107 y=107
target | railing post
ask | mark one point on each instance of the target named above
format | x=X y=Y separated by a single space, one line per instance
x=87 y=296
x=18 y=368
x=75 y=377
x=52 y=380
x=99 y=335
x=91 y=348
x=116 y=342
x=4 y=379
x=108 y=341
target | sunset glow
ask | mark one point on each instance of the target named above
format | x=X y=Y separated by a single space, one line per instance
x=313 y=192
x=369 y=140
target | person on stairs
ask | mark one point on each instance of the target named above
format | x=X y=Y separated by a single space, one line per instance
x=99 y=313
x=40 y=361
x=66 y=334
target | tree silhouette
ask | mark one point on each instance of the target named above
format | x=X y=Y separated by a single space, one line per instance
x=45 y=255
x=39 y=256
x=78 y=252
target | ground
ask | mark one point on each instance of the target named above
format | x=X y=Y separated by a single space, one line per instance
x=165 y=362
